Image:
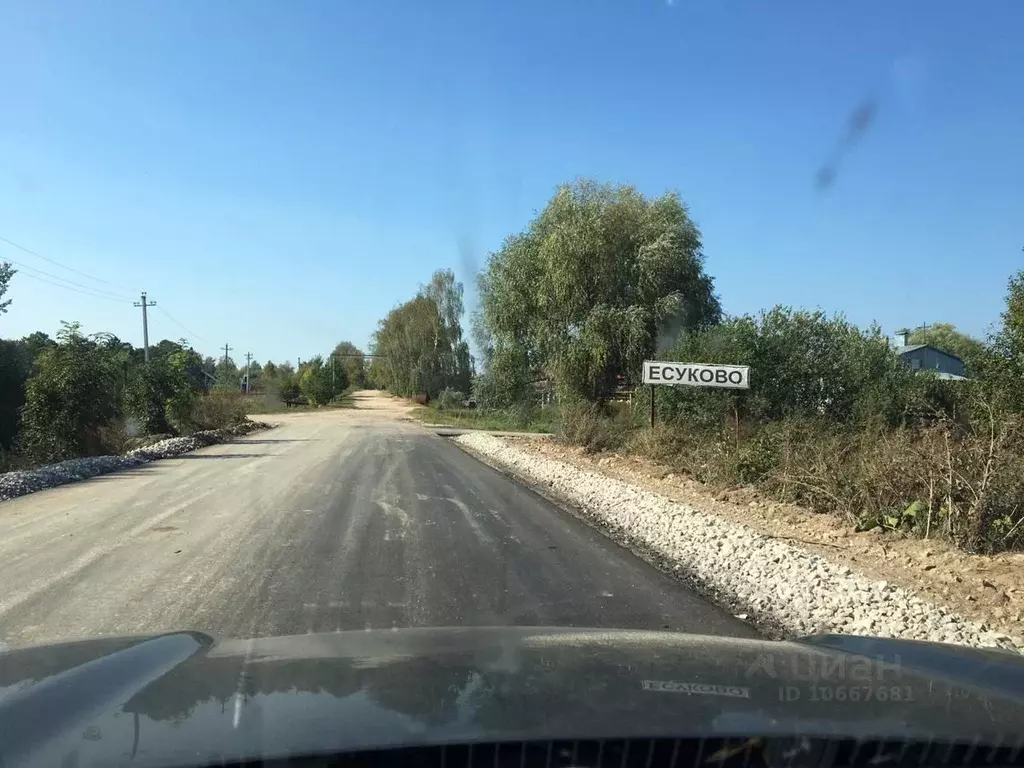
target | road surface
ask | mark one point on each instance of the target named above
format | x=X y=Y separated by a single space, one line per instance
x=333 y=520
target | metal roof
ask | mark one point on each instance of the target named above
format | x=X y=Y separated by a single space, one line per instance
x=914 y=347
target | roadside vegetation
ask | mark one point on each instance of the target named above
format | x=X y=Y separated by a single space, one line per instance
x=543 y=419
x=603 y=278
x=80 y=395
x=419 y=346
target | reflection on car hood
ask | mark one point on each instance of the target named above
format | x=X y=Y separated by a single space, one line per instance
x=184 y=698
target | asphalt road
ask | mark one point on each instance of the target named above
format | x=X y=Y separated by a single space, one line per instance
x=333 y=520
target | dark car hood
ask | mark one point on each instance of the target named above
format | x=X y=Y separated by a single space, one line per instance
x=182 y=698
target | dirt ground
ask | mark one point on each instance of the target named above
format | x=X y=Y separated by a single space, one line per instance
x=366 y=403
x=988 y=589
x=382 y=403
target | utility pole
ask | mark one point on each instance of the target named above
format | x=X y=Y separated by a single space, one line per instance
x=332 y=373
x=248 y=359
x=145 y=324
x=226 y=350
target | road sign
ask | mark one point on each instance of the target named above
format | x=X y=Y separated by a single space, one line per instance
x=697 y=374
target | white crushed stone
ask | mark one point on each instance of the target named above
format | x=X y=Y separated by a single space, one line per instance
x=21 y=482
x=798 y=591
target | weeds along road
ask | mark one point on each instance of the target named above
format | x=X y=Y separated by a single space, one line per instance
x=334 y=520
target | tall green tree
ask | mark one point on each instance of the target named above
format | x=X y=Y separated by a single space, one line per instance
x=421 y=342
x=16 y=361
x=159 y=394
x=315 y=381
x=228 y=377
x=71 y=399
x=601 y=278
x=185 y=384
x=455 y=366
x=36 y=342
x=351 y=358
x=1010 y=338
x=998 y=372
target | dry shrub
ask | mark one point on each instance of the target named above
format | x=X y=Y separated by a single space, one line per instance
x=662 y=444
x=946 y=479
x=593 y=426
x=949 y=480
x=980 y=483
x=111 y=439
x=219 y=409
x=704 y=454
x=450 y=399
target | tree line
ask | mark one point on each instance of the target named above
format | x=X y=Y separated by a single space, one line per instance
x=604 y=277
x=82 y=394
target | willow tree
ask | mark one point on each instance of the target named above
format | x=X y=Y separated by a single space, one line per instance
x=599 y=280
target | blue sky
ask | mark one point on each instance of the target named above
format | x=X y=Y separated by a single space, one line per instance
x=277 y=175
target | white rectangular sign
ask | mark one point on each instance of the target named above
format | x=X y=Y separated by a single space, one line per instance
x=697 y=374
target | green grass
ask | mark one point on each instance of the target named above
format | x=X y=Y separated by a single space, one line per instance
x=540 y=420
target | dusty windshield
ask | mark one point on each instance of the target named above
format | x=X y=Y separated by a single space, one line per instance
x=693 y=316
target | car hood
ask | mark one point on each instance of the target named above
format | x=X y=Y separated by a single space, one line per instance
x=184 y=698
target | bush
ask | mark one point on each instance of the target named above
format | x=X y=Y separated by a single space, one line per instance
x=315 y=382
x=945 y=479
x=506 y=381
x=219 y=409
x=522 y=414
x=146 y=397
x=593 y=426
x=757 y=458
x=179 y=410
x=71 y=402
x=804 y=365
x=450 y=399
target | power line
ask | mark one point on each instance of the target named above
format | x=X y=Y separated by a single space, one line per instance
x=179 y=324
x=85 y=290
x=110 y=294
x=62 y=266
x=76 y=290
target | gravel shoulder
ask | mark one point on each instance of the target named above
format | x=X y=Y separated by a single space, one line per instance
x=759 y=560
x=25 y=481
x=987 y=589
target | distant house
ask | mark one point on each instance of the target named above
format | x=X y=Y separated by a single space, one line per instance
x=924 y=357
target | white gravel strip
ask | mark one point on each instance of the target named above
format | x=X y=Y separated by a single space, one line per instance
x=780 y=584
x=21 y=482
